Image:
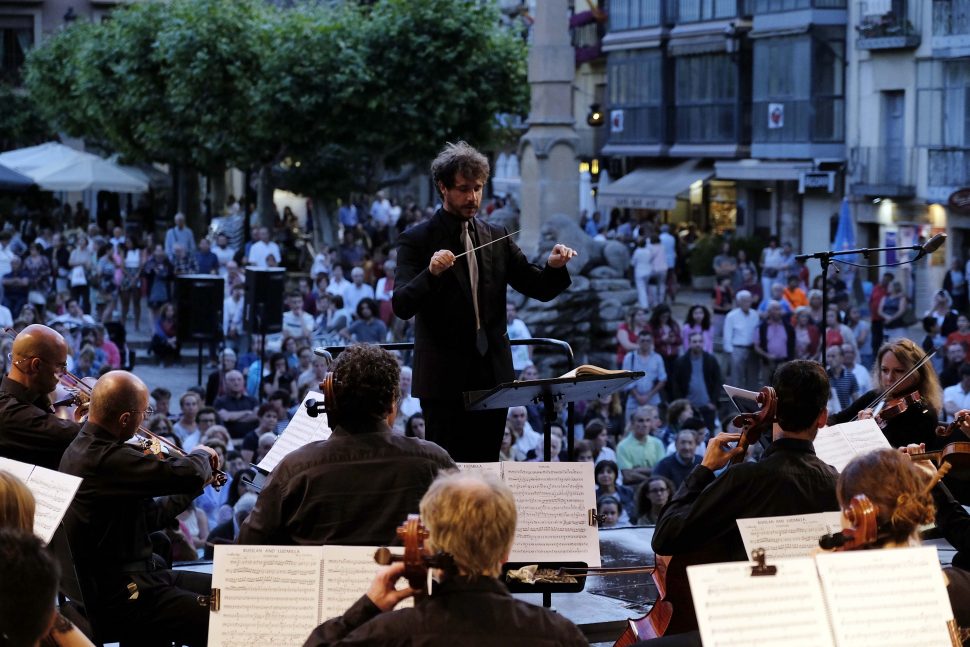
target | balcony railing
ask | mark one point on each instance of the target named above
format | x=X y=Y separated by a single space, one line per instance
x=948 y=167
x=681 y=11
x=821 y=119
x=706 y=124
x=883 y=171
x=759 y=7
x=888 y=25
x=951 y=17
x=587 y=29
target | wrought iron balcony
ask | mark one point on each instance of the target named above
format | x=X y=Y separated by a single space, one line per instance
x=888 y=24
x=880 y=171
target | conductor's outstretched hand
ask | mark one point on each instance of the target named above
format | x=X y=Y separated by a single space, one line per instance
x=560 y=255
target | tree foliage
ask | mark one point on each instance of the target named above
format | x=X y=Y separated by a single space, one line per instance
x=331 y=96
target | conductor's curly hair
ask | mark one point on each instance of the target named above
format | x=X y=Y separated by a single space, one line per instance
x=366 y=381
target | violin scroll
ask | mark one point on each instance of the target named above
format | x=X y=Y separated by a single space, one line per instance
x=862 y=515
x=753 y=425
x=416 y=560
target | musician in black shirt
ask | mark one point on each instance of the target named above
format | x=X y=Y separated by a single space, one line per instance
x=125 y=495
x=29 y=430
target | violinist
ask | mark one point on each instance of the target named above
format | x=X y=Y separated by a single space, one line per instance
x=29 y=430
x=472 y=518
x=910 y=410
x=124 y=495
x=900 y=490
x=699 y=526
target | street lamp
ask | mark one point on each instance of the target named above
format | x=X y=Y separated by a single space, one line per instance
x=594 y=117
x=69 y=15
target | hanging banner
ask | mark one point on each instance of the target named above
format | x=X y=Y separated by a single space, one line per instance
x=776 y=115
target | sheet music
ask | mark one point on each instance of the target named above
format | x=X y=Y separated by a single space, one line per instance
x=346 y=575
x=494 y=469
x=269 y=595
x=20 y=470
x=839 y=444
x=302 y=429
x=886 y=598
x=553 y=501
x=790 y=536
x=53 y=492
x=783 y=610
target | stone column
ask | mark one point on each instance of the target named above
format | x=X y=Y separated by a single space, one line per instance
x=550 y=169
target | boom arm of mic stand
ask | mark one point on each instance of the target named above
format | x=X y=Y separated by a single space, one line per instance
x=864 y=251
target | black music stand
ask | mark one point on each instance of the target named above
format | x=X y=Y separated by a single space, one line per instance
x=548 y=392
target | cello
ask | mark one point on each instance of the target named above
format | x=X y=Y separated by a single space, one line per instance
x=674 y=609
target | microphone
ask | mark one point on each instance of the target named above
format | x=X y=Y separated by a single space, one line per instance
x=933 y=243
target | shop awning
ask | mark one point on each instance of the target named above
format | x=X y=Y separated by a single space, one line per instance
x=653 y=187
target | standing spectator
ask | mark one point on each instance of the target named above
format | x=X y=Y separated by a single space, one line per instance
x=6 y=256
x=385 y=290
x=793 y=294
x=521 y=355
x=745 y=265
x=351 y=253
x=626 y=334
x=262 y=249
x=942 y=310
x=862 y=331
x=955 y=284
x=749 y=282
x=159 y=273
x=16 y=285
x=879 y=292
x=132 y=262
x=60 y=256
x=182 y=261
x=722 y=302
x=224 y=253
x=38 y=268
x=81 y=262
x=862 y=376
x=658 y=270
x=338 y=284
x=179 y=234
x=815 y=306
x=956 y=355
x=642 y=269
x=637 y=454
x=165 y=343
x=678 y=465
x=357 y=290
x=772 y=260
x=646 y=390
x=669 y=244
x=666 y=335
x=112 y=353
x=788 y=264
x=698 y=320
x=106 y=273
x=962 y=334
x=206 y=261
x=348 y=215
x=842 y=380
x=740 y=330
x=892 y=310
x=956 y=398
x=836 y=332
x=807 y=336
x=233 y=324
x=696 y=375
x=776 y=340
x=725 y=264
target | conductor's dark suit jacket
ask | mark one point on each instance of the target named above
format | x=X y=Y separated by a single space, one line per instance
x=446 y=361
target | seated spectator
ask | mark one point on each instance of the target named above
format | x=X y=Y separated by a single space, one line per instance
x=187 y=428
x=606 y=473
x=505 y=452
x=608 y=409
x=651 y=498
x=357 y=290
x=678 y=465
x=368 y=328
x=268 y=417
x=640 y=450
x=524 y=438
x=583 y=451
x=237 y=409
x=595 y=433
x=609 y=509
x=266 y=442
x=165 y=344
x=310 y=379
x=296 y=322
x=225 y=532
x=215 y=385
x=793 y=294
x=414 y=427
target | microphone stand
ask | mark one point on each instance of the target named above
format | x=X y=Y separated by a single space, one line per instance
x=825 y=258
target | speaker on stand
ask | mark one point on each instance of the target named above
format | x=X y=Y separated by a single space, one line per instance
x=199 y=298
x=263 y=312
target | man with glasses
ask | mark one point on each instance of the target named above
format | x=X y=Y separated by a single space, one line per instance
x=29 y=430
x=124 y=496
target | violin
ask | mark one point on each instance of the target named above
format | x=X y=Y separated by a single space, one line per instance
x=945 y=431
x=417 y=560
x=883 y=414
x=754 y=425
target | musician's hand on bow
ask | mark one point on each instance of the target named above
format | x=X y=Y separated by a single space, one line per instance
x=720 y=452
x=865 y=414
x=441 y=260
x=962 y=419
x=382 y=592
x=913 y=448
x=211 y=455
x=560 y=255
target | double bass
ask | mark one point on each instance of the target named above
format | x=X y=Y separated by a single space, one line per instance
x=674 y=609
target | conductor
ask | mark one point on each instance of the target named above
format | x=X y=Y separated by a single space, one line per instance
x=460 y=339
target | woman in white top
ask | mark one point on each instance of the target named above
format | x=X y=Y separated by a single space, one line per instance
x=642 y=269
x=132 y=261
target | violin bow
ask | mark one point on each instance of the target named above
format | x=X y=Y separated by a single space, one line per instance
x=882 y=396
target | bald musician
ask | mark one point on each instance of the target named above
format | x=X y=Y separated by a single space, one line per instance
x=29 y=430
x=124 y=496
x=472 y=518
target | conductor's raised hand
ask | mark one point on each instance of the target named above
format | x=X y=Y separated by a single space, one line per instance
x=441 y=260
x=382 y=592
x=720 y=452
x=560 y=255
